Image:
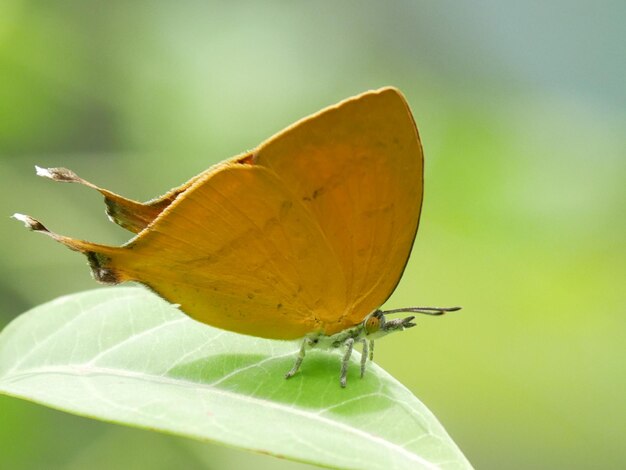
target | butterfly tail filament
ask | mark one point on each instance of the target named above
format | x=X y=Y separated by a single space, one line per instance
x=131 y=215
x=100 y=257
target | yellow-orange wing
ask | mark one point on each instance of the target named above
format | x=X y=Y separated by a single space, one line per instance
x=358 y=169
x=308 y=233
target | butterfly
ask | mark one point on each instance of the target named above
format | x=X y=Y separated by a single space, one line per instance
x=305 y=236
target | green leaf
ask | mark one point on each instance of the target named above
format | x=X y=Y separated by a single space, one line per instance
x=126 y=356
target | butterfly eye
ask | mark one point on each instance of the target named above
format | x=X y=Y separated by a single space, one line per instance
x=372 y=325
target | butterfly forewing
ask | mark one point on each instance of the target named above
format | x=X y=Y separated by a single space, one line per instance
x=358 y=168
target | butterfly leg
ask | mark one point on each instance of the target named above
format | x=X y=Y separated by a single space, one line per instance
x=299 y=359
x=371 y=350
x=346 y=360
x=364 y=355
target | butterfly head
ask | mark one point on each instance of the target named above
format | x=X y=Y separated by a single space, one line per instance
x=376 y=325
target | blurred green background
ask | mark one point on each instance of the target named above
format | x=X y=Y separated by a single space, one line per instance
x=522 y=111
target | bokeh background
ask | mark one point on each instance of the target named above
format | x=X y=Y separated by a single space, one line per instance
x=522 y=111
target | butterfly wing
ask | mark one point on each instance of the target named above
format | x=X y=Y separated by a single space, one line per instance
x=238 y=252
x=351 y=178
x=358 y=169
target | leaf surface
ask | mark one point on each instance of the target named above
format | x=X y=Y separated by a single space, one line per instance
x=124 y=355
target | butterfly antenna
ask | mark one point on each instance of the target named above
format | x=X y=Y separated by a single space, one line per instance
x=424 y=310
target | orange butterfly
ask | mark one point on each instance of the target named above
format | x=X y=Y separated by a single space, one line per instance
x=305 y=236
